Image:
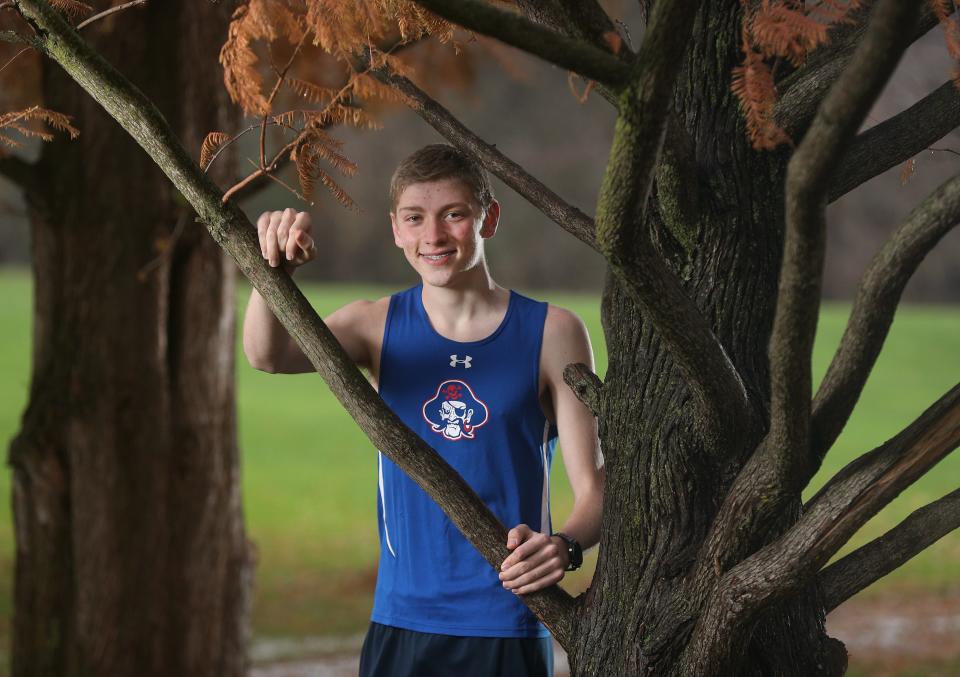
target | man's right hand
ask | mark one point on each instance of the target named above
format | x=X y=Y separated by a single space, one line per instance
x=285 y=238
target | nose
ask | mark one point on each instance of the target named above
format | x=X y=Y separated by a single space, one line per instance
x=434 y=230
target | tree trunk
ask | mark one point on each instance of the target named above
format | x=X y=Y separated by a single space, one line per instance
x=131 y=553
x=719 y=222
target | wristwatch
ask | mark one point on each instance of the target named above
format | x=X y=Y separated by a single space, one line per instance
x=574 y=551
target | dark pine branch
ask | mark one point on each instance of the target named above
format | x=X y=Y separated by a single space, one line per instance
x=644 y=109
x=231 y=229
x=873 y=310
x=803 y=90
x=562 y=213
x=777 y=471
x=522 y=33
x=829 y=519
x=898 y=138
x=847 y=576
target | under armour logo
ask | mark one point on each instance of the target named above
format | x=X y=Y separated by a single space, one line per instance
x=465 y=361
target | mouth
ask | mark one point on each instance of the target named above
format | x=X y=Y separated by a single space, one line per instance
x=438 y=258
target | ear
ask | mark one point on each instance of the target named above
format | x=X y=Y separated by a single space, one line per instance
x=491 y=220
x=396 y=231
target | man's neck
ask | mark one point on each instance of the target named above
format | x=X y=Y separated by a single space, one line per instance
x=468 y=311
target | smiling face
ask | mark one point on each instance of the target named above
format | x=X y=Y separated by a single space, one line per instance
x=441 y=229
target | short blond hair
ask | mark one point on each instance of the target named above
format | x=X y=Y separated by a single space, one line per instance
x=437 y=162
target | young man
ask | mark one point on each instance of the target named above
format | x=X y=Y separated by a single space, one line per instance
x=477 y=371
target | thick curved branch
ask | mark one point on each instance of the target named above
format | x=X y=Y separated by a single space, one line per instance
x=807 y=186
x=584 y=19
x=803 y=90
x=565 y=215
x=19 y=172
x=580 y=19
x=518 y=31
x=638 y=136
x=829 y=519
x=878 y=297
x=775 y=472
x=897 y=139
x=231 y=229
x=847 y=576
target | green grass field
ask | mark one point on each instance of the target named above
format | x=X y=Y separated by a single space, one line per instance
x=309 y=474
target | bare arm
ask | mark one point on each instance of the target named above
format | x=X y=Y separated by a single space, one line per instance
x=539 y=560
x=285 y=240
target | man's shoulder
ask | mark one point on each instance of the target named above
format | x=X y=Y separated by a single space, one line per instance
x=362 y=315
x=561 y=323
x=565 y=341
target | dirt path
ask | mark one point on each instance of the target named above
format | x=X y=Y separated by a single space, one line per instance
x=892 y=635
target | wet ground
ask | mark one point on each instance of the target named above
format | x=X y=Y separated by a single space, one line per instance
x=893 y=635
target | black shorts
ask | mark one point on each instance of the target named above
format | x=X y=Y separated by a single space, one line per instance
x=395 y=652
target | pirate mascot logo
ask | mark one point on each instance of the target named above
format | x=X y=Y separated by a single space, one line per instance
x=455 y=412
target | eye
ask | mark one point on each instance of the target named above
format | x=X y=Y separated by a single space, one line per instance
x=454 y=215
x=412 y=218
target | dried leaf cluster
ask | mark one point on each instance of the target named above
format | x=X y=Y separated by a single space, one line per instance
x=352 y=34
x=19 y=121
x=779 y=30
x=789 y=30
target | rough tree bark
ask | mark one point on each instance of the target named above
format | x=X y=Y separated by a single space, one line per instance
x=709 y=563
x=131 y=553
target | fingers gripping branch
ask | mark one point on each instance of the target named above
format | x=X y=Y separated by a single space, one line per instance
x=643 y=113
x=231 y=229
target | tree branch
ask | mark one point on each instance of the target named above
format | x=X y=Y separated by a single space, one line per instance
x=520 y=32
x=846 y=577
x=231 y=229
x=583 y=19
x=807 y=184
x=898 y=138
x=580 y=19
x=803 y=90
x=829 y=519
x=19 y=172
x=876 y=303
x=775 y=473
x=565 y=215
x=638 y=136
x=586 y=386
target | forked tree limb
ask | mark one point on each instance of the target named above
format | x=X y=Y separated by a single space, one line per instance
x=231 y=229
x=876 y=302
x=829 y=519
x=775 y=473
x=802 y=91
x=562 y=213
x=518 y=31
x=898 y=138
x=644 y=110
x=869 y=563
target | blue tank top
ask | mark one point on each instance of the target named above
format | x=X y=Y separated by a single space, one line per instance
x=477 y=404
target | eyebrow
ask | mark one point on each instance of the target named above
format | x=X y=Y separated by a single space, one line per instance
x=416 y=208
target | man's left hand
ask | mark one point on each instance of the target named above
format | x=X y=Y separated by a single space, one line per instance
x=537 y=560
